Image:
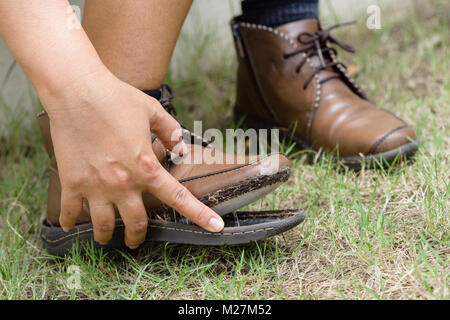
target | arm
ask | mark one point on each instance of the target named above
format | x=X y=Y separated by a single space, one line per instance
x=100 y=125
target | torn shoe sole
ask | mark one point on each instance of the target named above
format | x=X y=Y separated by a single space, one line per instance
x=168 y=225
x=239 y=195
x=240 y=228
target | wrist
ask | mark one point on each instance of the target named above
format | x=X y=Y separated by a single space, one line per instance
x=75 y=92
x=56 y=85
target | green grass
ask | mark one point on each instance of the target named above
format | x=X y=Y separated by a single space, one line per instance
x=375 y=234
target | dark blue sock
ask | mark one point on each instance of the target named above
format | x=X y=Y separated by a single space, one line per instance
x=274 y=13
x=153 y=93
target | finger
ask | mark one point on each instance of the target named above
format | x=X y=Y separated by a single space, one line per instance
x=103 y=219
x=168 y=130
x=71 y=208
x=134 y=217
x=170 y=191
x=181 y=199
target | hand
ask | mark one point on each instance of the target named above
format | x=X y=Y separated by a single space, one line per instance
x=100 y=128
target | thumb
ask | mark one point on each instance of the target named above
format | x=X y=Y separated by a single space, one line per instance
x=167 y=129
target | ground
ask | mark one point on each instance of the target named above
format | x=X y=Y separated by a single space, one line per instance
x=374 y=234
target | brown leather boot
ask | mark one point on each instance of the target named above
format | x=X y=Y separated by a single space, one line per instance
x=224 y=187
x=289 y=77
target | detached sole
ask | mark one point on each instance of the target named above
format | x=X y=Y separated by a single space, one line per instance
x=240 y=228
x=245 y=192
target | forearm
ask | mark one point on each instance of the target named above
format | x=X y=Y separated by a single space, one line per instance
x=52 y=50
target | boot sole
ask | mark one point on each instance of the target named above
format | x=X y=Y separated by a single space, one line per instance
x=240 y=228
x=382 y=159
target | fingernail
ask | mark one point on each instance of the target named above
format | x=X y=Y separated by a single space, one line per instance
x=215 y=225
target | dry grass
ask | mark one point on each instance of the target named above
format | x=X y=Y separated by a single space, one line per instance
x=380 y=234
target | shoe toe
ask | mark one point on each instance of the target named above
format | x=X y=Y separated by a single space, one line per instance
x=271 y=164
x=393 y=139
x=230 y=186
x=250 y=182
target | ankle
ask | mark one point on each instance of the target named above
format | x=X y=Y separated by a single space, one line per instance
x=274 y=13
x=156 y=93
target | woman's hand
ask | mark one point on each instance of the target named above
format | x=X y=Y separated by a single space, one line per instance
x=100 y=126
x=100 y=130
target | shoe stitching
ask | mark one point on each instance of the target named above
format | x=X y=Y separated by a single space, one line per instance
x=351 y=159
x=380 y=140
x=227 y=170
x=165 y=228
x=41 y=114
x=347 y=75
x=268 y=215
x=294 y=45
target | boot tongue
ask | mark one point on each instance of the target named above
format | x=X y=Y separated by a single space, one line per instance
x=293 y=29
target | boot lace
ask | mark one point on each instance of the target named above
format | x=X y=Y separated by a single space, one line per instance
x=166 y=101
x=316 y=45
